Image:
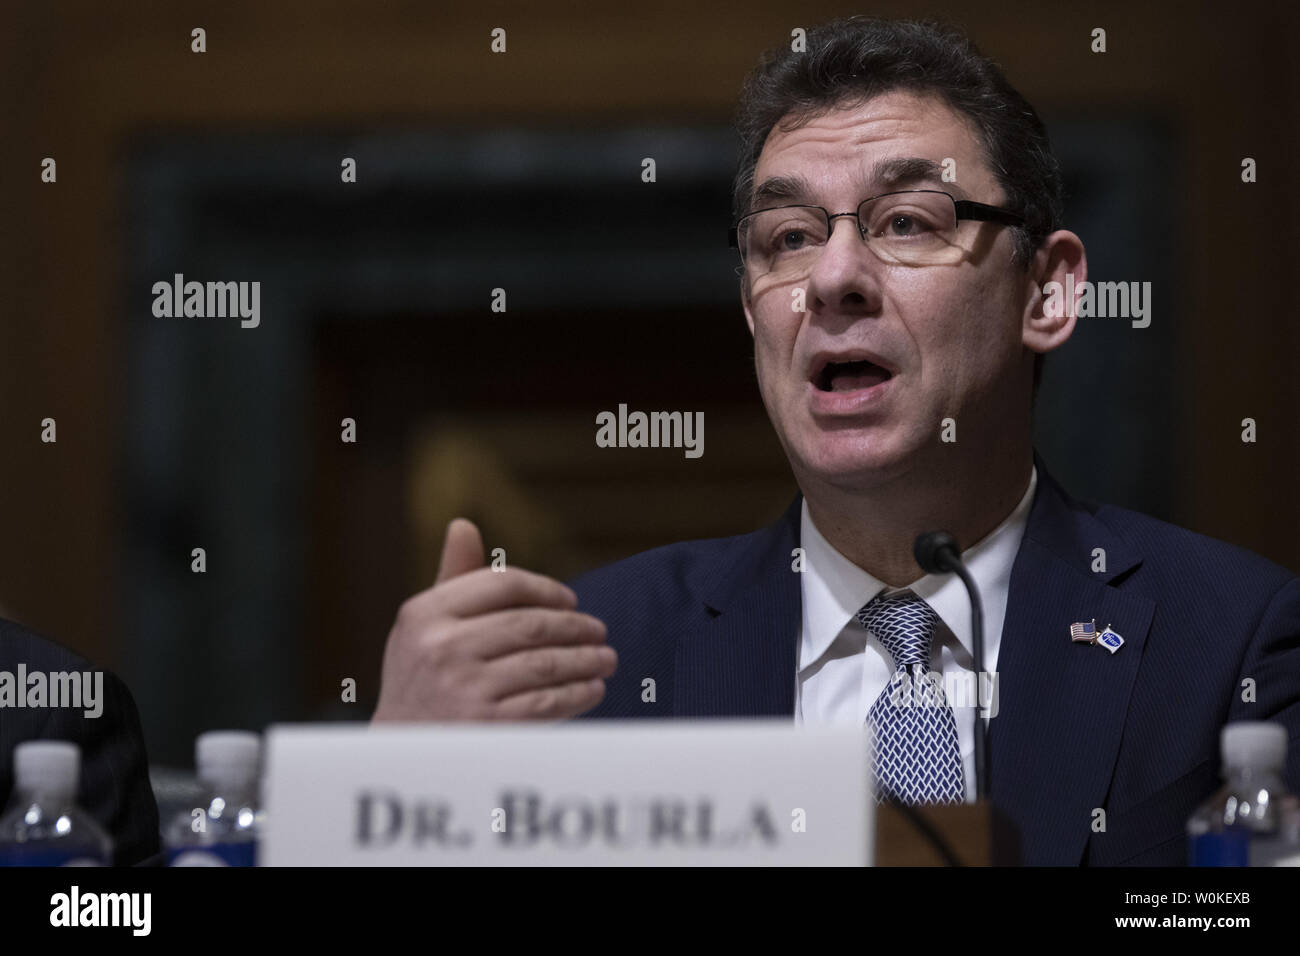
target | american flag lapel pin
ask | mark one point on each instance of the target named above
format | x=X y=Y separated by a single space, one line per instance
x=1084 y=632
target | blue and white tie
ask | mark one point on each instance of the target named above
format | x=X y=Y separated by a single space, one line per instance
x=917 y=753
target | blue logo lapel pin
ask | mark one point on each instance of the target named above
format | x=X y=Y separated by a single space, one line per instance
x=1110 y=640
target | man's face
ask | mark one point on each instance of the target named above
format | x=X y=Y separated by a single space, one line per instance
x=948 y=335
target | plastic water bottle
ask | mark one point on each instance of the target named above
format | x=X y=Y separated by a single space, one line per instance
x=1284 y=848
x=1240 y=825
x=43 y=826
x=223 y=831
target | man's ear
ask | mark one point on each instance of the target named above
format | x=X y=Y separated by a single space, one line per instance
x=1048 y=319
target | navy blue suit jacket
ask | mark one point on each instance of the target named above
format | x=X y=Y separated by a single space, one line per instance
x=716 y=623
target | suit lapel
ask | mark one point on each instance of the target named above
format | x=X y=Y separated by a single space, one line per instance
x=740 y=661
x=1054 y=741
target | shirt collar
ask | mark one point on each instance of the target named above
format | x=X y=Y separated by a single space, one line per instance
x=834 y=589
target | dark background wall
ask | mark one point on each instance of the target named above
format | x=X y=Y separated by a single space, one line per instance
x=522 y=172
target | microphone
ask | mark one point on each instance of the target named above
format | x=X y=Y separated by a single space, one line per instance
x=937 y=553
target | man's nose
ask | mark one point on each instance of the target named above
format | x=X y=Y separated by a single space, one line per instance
x=844 y=274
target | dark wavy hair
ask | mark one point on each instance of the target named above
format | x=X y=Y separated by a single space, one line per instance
x=849 y=61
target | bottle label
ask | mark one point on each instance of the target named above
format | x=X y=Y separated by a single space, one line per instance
x=38 y=855
x=1229 y=848
x=243 y=853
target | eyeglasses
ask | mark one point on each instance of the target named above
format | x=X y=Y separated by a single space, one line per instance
x=914 y=227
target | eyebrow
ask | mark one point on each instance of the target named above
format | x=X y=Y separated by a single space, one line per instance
x=886 y=175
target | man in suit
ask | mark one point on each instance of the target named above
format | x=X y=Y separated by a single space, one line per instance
x=114 y=784
x=898 y=215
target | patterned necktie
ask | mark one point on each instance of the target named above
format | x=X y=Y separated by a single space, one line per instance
x=917 y=754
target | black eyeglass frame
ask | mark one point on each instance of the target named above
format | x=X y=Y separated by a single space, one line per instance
x=965 y=209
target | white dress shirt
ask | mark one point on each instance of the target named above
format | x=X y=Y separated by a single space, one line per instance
x=843 y=668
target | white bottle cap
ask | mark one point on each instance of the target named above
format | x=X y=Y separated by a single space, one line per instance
x=1256 y=744
x=227 y=755
x=50 y=766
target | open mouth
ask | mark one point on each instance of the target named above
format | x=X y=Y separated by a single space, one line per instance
x=850 y=376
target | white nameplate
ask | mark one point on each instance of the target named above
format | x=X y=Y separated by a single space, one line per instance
x=595 y=793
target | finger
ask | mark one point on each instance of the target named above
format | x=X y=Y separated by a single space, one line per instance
x=462 y=550
x=547 y=667
x=484 y=591
x=502 y=633
x=552 y=703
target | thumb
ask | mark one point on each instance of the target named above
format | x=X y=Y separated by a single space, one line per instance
x=462 y=550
